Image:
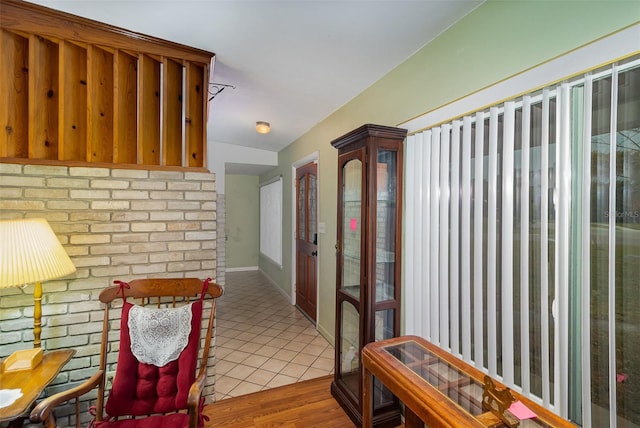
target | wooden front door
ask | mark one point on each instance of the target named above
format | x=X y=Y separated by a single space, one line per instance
x=306 y=238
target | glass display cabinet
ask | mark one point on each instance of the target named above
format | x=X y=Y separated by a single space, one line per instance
x=368 y=261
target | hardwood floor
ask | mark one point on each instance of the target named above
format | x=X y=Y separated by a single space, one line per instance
x=307 y=404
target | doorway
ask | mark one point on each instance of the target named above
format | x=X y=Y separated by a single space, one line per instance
x=306 y=239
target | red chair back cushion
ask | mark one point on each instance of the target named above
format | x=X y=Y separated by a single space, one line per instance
x=143 y=389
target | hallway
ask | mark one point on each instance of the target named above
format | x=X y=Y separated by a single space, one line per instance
x=262 y=341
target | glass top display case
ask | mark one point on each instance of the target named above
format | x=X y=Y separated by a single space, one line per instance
x=368 y=260
x=441 y=390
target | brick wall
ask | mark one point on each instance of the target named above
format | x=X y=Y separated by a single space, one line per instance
x=114 y=224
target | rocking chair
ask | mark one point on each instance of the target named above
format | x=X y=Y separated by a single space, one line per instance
x=155 y=383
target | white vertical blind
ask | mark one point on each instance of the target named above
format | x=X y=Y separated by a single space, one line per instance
x=491 y=229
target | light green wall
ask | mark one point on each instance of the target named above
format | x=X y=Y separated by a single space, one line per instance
x=496 y=41
x=242 y=220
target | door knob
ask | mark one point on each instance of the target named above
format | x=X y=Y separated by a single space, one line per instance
x=314 y=253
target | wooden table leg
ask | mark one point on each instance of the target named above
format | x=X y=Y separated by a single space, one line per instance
x=367 y=398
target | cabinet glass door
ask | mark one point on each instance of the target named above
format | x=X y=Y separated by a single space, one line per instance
x=349 y=346
x=351 y=227
x=386 y=204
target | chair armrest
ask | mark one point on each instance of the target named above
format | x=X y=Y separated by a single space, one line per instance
x=193 y=401
x=42 y=411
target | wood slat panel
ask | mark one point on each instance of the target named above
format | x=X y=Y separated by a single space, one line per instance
x=43 y=95
x=172 y=113
x=126 y=108
x=100 y=105
x=73 y=105
x=149 y=111
x=195 y=115
x=14 y=110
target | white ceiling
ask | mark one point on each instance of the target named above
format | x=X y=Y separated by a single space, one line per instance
x=292 y=63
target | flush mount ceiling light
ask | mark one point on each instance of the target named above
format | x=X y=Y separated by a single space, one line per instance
x=263 y=127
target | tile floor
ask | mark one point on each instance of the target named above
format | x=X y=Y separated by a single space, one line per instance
x=262 y=340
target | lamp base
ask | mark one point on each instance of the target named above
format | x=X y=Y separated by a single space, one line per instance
x=25 y=359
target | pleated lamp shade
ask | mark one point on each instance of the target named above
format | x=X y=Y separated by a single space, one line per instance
x=30 y=252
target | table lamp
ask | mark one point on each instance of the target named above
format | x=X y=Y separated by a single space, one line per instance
x=30 y=253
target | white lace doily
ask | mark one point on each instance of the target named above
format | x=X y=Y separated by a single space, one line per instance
x=158 y=335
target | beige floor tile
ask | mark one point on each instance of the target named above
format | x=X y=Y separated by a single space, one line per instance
x=285 y=355
x=312 y=373
x=280 y=379
x=274 y=365
x=304 y=359
x=223 y=367
x=225 y=384
x=323 y=363
x=240 y=372
x=260 y=377
x=255 y=360
x=294 y=370
x=245 y=388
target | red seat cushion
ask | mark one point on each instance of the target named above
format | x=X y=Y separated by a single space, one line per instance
x=143 y=389
x=174 y=420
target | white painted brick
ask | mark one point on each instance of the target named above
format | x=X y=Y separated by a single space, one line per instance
x=183 y=225
x=22 y=181
x=10 y=192
x=91 y=261
x=66 y=228
x=148 y=227
x=68 y=183
x=45 y=170
x=131 y=194
x=10 y=168
x=127 y=216
x=46 y=193
x=117 y=271
x=68 y=319
x=110 y=249
x=86 y=328
x=149 y=247
x=130 y=237
x=200 y=196
x=90 y=239
x=110 y=205
x=9 y=314
x=169 y=256
x=203 y=215
x=166 y=175
x=209 y=206
x=15 y=205
x=109 y=227
x=148 y=205
x=183 y=206
x=90 y=284
x=52 y=332
x=90 y=194
x=166 y=216
x=184 y=185
x=182 y=266
x=173 y=195
x=19 y=324
x=200 y=255
x=208 y=225
x=193 y=236
x=184 y=246
x=130 y=173
x=166 y=236
x=10 y=337
x=149 y=185
x=209 y=186
x=154 y=268
x=77 y=250
x=52 y=216
x=89 y=216
x=199 y=176
x=68 y=205
x=109 y=184
x=130 y=259
x=79 y=171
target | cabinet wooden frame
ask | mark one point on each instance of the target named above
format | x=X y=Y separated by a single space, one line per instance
x=365 y=144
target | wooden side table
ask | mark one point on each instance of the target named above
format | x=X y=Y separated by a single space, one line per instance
x=32 y=382
x=437 y=388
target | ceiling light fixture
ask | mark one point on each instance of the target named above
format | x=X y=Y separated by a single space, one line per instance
x=263 y=127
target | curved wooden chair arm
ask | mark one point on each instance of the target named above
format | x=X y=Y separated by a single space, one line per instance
x=42 y=411
x=193 y=401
